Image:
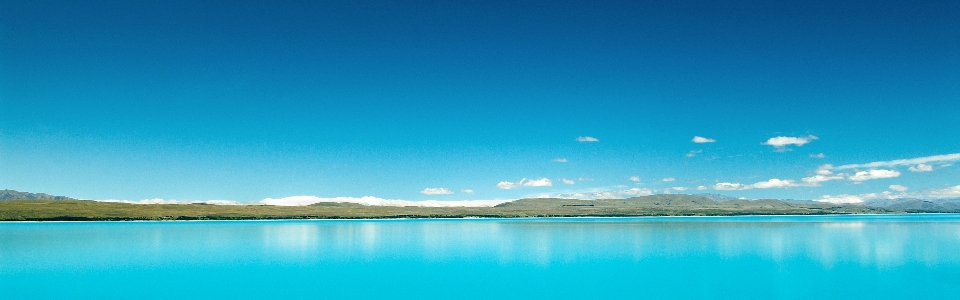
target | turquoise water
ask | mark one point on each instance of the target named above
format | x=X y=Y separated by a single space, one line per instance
x=823 y=257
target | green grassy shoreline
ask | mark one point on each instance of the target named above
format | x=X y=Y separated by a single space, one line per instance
x=657 y=205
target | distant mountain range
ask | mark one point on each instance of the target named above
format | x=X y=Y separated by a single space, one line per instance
x=716 y=197
x=677 y=201
x=15 y=195
x=918 y=205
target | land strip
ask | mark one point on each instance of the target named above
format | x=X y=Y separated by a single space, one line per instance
x=656 y=205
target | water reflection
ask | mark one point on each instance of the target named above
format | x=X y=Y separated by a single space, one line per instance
x=883 y=244
x=880 y=243
x=299 y=239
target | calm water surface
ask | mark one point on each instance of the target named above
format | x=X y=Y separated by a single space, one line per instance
x=826 y=257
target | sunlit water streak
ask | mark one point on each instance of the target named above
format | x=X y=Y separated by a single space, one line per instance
x=832 y=257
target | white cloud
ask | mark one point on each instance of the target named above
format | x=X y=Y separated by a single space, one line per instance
x=727 y=186
x=537 y=182
x=818 y=155
x=824 y=174
x=774 y=183
x=946 y=158
x=221 y=202
x=815 y=180
x=468 y=191
x=560 y=160
x=307 y=200
x=374 y=201
x=582 y=179
x=678 y=188
x=700 y=188
x=636 y=192
x=781 y=142
x=669 y=179
x=700 y=140
x=921 y=168
x=841 y=199
x=825 y=169
x=950 y=192
x=693 y=153
x=874 y=174
x=506 y=185
x=436 y=191
x=899 y=188
x=857 y=199
x=635 y=178
x=607 y=194
x=567 y=181
x=172 y=201
x=587 y=139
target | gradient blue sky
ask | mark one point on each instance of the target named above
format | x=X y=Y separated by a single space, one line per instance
x=245 y=100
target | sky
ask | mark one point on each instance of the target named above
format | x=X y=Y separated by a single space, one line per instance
x=480 y=100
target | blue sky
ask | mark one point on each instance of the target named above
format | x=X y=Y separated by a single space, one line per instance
x=253 y=100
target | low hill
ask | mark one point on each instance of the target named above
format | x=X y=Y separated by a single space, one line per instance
x=40 y=207
x=717 y=197
x=16 y=195
x=925 y=206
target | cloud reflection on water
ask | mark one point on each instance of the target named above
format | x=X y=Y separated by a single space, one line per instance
x=882 y=244
x=879 y=243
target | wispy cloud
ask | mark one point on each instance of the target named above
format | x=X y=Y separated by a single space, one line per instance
x=606 y=194
x=825 y=169
x=560 y=160
x=468 y=191
x=899 y=188
x=584 y=179
x=374 y=201
x=587 y=139
x=693 y=153
x=537 y=182
x=841 y=199
x=172 y=201
x=921 y=168
x=874 y=174
x=946 y=158
x=950 y=192
x=943 y=193
x=700 y=140
x=774 y=183
x=506 y=185
x=669 y=179
x=781 y=142
x=824 y=174
x=818 y=155
x=634 y=178
x=729 y=186
x=436 y=191
x=567 y=181
x=815 y=180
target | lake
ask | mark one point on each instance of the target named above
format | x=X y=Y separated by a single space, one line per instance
x=758 y=257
